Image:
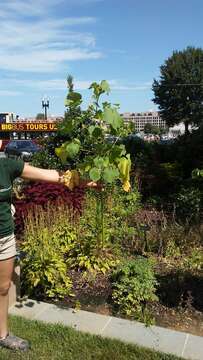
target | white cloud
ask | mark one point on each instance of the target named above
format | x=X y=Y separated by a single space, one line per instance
x=28 y=7
x=9 y=93
x=46 y=42
x=47 y=61
x=117 y=85
x=37 y=8
x=61 y=85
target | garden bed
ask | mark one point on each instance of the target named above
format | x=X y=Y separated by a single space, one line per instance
x=57 y=244
x=180 y=305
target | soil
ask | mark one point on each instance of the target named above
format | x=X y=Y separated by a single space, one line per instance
x=180 y=305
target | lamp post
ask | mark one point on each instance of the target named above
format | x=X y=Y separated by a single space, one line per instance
x=45 y=106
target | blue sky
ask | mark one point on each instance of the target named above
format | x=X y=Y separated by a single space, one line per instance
x=124 y=42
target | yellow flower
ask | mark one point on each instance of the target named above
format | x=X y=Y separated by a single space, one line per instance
x=126 y=186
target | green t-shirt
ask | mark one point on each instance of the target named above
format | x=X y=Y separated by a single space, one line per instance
x=10 y=169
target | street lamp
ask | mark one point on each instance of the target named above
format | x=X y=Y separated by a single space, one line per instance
x=45 y=106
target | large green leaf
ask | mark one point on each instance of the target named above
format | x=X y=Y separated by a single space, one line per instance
x=105 y=86
x=95 y=174
x=72 y=148
x=116 y=152
x=110 y=174
x=99 y=162
x=95 y=131
x=124 y=167
x=61 y=153
x=112 y=117
x=91 y=129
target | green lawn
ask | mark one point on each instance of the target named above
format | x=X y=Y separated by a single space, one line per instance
x=56 y=342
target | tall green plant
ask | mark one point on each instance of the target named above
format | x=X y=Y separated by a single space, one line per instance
x=89 y=132
x=94 y=146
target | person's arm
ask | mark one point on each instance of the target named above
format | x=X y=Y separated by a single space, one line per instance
x=53 y=176
x=34 y=173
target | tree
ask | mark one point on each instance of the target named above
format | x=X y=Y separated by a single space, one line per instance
x=70 y=83
x=148 y=128
x=151 y=129
x=40 y=116
x=179 y=92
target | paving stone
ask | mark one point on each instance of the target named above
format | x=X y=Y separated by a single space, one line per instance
x=154 y=337
x=79 y=320
x=194 y=348
x=29 y=309
x=159 y=339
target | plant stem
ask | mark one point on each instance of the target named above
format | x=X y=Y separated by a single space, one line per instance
x=100 y=221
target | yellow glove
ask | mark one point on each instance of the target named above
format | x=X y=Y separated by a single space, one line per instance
x=71 y=179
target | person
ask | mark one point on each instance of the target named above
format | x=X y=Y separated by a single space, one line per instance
x=10 y=169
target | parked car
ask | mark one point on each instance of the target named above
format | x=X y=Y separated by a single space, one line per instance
x=21 y=148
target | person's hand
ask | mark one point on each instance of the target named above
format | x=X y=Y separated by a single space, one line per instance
x=95 y=185
x=91 y=184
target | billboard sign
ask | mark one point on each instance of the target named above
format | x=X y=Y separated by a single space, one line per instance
x=28 y=127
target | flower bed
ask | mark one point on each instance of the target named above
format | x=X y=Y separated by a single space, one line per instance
x=41 y=194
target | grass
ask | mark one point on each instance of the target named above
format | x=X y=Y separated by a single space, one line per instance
x=56 y=342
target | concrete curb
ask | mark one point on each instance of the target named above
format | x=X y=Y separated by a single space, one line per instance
x=160 y=339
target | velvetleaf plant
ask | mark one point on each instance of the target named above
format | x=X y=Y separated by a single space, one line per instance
x=93 y=149
x=96 y=157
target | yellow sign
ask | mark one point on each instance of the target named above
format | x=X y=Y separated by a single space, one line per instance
x=35 y=126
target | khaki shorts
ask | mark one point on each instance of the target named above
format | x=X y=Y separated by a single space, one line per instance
x=7 y=247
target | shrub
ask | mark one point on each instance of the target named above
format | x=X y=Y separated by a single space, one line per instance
x=117 y=231
x=46 y=241
x=188 y=204
x=47 y=158
x=122 y=230
x=134 y=284
x=57 y=240
x=195 y=260
x=159 y=232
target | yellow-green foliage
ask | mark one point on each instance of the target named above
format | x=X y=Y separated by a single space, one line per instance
x=134 y=284
x=46 y=241
x=55 y=241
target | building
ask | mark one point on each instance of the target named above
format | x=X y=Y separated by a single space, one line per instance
x=140 y=119
x=50 y=119
x=6 y=117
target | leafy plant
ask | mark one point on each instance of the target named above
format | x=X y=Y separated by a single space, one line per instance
x=89 y=254
x=134 y=284
x=40 y=194
x=90 y=150
x=58 y=238
x=120 y=212
x=197 y=173
x=188 y=202
x=195 y=260
x=45 y=243
x=88 y=132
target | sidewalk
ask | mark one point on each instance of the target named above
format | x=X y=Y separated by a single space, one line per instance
x=154 y=337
